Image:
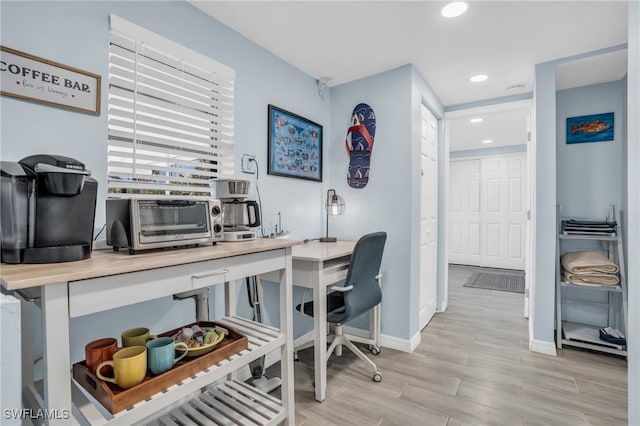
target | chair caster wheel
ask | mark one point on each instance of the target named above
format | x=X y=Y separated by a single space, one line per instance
x=375 y=350
x=377 y=377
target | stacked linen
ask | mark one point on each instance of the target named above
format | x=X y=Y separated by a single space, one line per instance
x=589 y=268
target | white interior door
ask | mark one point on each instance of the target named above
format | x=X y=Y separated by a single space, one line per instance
x=504 y=217
x=428 y=218
x=464 y=212
x=488 y=211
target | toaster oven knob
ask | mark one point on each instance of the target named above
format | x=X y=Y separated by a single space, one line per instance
x=217 y=228
x=215 y=211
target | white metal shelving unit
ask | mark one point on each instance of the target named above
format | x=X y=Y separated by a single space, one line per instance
x=584 y=335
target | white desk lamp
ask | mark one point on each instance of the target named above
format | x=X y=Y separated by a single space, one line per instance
x=334 y=206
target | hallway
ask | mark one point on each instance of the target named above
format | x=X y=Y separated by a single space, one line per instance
x=473 y=366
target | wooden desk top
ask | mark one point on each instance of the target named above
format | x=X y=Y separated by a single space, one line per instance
x=106 y=262
x=316 y=251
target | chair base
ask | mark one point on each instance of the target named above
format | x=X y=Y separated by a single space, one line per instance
x=337 y=341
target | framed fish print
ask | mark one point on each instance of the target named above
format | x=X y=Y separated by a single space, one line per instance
x=295 y=146
x=590 y=128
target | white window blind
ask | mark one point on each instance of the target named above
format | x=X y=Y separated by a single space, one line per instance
x=171 y=123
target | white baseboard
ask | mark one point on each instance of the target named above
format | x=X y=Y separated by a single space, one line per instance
x=540 y=346
x=390 y=342
x=543 y=347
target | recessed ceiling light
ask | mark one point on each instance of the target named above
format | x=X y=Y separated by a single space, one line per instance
x=487 y=141
x=453 y=9
x=478 y=78
x=477 y=120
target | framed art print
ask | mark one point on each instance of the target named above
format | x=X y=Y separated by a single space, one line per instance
x=295 y=146
x=590 y=128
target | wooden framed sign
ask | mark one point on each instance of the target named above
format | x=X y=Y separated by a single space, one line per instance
x=35 y=79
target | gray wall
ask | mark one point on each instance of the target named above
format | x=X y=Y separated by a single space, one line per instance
x=589 y=175
x=543 y=212
x=590 y=178
x=391 y=199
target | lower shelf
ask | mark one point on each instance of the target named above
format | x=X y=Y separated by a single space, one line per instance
x=230 y=402
x=262 y=340
x=588 y=337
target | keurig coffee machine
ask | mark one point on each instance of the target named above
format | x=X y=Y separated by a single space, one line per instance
x=48 y=209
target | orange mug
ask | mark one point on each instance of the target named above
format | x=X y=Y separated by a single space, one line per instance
x=99 y=351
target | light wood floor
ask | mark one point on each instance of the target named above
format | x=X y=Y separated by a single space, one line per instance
x=473 y=367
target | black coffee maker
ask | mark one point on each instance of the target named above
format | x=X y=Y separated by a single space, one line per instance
x=48 y=210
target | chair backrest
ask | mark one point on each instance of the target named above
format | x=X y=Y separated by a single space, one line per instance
x=363 y=269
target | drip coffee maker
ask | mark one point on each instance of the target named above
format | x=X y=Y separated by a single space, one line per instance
x=239 y=215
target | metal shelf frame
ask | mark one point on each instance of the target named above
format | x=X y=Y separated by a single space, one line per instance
x=583 y=335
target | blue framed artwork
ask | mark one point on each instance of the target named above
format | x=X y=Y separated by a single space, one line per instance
x=590 y=128
x=295 y=146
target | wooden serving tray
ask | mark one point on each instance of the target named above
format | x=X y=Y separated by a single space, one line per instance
x=115 y=399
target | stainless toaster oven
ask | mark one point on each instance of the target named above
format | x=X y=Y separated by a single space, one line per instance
x=141 y=224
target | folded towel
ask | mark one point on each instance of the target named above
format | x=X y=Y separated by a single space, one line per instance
x=588 y=262
x=591 y=279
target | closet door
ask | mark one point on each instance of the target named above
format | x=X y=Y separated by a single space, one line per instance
x=487 y=211
x=503 y=212
x=428 y=218
x=464 y=212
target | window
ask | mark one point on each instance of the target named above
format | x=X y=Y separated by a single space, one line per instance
x=170 y=116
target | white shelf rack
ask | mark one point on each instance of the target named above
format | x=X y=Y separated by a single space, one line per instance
x=262 y=340
x=585 y=335
x=229 y=403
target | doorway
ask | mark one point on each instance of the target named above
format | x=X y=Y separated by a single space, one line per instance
x=498 y=138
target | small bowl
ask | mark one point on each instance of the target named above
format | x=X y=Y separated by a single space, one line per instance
x=199 y=350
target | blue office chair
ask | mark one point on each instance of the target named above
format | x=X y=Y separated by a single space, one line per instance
x=360 y=293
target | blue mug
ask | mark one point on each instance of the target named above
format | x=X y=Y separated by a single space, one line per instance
x=161 y=354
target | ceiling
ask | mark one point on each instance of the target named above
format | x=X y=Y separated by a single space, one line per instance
x=344 y=41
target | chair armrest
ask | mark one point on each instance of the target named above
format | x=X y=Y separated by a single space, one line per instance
x=341 y=289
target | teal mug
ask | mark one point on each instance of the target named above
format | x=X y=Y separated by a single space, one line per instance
x=161 y=354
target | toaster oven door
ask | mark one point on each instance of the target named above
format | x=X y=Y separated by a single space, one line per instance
x=172 y=221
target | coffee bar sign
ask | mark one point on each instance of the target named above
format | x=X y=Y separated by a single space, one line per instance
x=28 y=77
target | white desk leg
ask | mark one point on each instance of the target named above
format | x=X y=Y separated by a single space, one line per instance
x=320 y=330
x=57 y=358
x=286 y=327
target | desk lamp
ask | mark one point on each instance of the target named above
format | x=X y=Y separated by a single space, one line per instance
x=335 y=207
